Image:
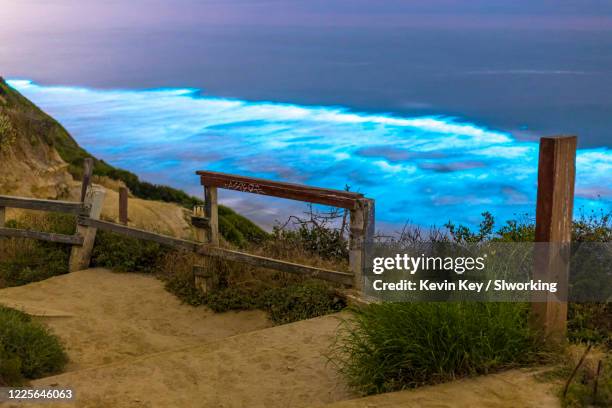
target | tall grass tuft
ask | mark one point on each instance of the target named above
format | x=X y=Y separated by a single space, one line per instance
x=27 y=348
x=393 y=346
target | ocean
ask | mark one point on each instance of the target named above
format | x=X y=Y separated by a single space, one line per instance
x=435 y=125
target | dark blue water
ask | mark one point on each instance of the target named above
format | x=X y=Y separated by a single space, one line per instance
x=503 y=87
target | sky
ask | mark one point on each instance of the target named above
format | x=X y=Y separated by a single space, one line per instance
x=448 y=14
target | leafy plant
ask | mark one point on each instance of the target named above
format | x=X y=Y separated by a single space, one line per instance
x=393 y=346
x=126 y=254
x=24 y=261
x=284 y=303
x=27 y=348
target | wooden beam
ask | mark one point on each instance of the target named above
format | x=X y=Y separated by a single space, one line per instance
x=42 y=236
x=360 y=240
x=299 y=192
x=139 y=234
x=343 y=278
x=88 y=165
x=554 y=211
x=80 y=255
x=211 y=208
x=67 y=207
x=221 y=253
x=203 y=276
x=123 y=205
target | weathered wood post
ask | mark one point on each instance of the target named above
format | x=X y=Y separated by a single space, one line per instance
x=80 y=255
x=2 y=216
x=123 y=205
x=360 y=240
x=206 y=220
x=555 y=202
x=87 y=172
x=212 y=213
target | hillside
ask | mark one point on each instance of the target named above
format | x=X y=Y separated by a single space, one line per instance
x=39 y=158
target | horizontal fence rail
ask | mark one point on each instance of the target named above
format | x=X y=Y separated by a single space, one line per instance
x=343 y=278
x=66 y=207
x=42 y=236
x=299 y=192
x=177 y=243
x=221 y=253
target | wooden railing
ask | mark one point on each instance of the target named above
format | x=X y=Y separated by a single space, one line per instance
x=361 y=222
x=205 y=222
x=83 y=240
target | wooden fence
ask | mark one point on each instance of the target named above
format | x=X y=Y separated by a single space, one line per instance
x=205 y=221
x=556 y=173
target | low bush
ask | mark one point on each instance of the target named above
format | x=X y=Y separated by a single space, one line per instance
x=125 y=254
x=393 y=346
x=24 y=261
x=27 y=348
x=285 y=303
x=301 y=301
x=590 y=323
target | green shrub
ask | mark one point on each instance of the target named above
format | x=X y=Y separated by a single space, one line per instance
x=10 y=368
x=393 y=346
x=126 y=254
x=25 y=261
x=590 y=323
x=27 y=346
x=301 y=301
x=239 y=230
x=284 y=304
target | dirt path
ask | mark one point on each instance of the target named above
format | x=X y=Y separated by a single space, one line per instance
x=282 y=366
x=510 y=389
x=132 y=344
x=103 y=317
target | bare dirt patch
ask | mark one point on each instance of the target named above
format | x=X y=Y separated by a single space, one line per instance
x=103 y=317
x=509 y=389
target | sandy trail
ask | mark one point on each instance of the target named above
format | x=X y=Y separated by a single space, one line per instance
x=282 y=366
x=509 y=389
x=132 y=344
x=104 y=317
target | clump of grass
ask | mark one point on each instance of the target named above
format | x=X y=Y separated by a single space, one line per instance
x=393 y=346
x=126 y=254
x=585 y=379
x=27 y=349
x=7 y=133
x=301 y=301
x=284 y=302
x=590 y=323
x=23 y=261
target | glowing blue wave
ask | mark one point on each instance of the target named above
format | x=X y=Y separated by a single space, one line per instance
x=424 y=169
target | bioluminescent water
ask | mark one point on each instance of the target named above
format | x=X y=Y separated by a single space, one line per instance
x=423 y=170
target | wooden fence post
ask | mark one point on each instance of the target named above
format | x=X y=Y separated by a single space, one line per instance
x=123 y=205
x=555 y=201
x=212 y=213
x=360 y=240
x=80 y=255
x=2 y=216
x=87 y=172
x=204 y=275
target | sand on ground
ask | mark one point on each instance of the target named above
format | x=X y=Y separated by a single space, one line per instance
x=510 y=389
x=103 y=317
x=132 y=344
